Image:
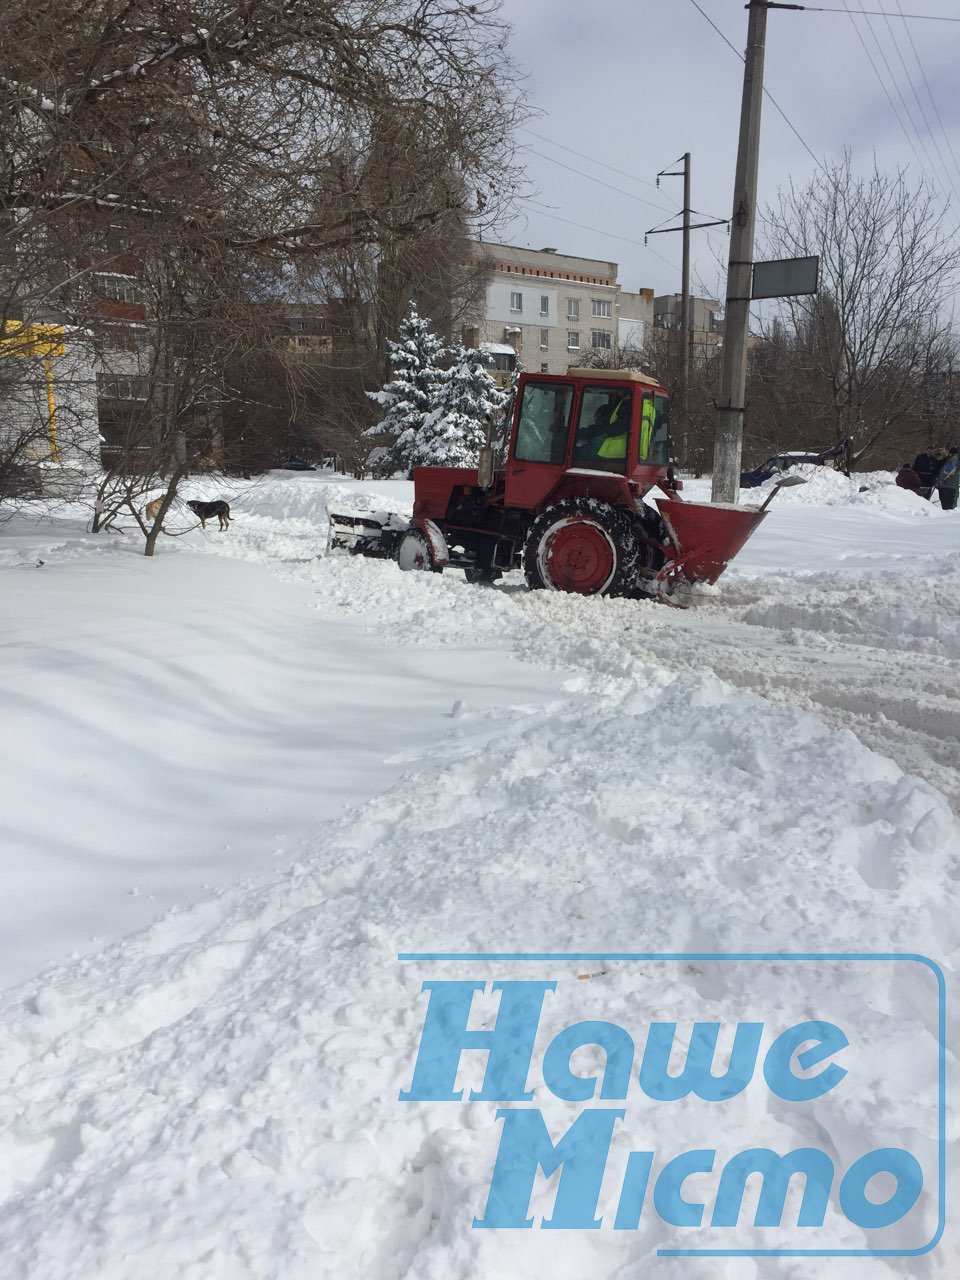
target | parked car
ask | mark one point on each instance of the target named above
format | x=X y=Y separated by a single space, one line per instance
x=781 y=462
x=297 y=464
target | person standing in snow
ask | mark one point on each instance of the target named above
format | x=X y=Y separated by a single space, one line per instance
x=947 y=479
x=907 y=478
x=926 y=465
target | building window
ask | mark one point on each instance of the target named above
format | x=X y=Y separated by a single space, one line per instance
x=600 y=307
x=600 y=339
x=544 y=339
x=516 y=301
x=111 y=386
x=544 y=304
x=116 y=240
x=124 y=337
x=544 y=368
x=573 y=308
x=573 y=340
x=117 y=288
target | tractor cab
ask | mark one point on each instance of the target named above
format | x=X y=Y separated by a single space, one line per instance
x=590 y=420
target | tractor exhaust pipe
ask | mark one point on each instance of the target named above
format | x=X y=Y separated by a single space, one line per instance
x=485 y=461
x=485 y=467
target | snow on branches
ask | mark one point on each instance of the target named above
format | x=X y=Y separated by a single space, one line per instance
x=435 y=416
x=409 y=396
x=467 y=398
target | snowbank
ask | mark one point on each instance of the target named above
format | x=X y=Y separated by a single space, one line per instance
x=216 y=1097
x=825 y=487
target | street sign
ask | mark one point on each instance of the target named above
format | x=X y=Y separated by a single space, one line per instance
x=785 y=278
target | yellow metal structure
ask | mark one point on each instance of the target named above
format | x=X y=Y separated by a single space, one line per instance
x=38 y=341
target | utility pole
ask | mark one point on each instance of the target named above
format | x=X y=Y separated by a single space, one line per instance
x=686 y=325
x=733 y=377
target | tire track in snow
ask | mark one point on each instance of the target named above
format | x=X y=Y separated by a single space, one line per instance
x=854 y=653
x=872 y=652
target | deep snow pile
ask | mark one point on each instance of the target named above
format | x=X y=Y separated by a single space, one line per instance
x=217 y=1096
x=824 y=487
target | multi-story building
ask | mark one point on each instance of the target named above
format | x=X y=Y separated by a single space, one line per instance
x=706 y=321
x=123 y=342
x=551 y=307
x=634 y=316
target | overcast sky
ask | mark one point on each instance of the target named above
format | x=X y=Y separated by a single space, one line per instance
x=636 y=83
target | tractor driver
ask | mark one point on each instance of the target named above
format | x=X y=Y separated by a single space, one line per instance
x=606 y=435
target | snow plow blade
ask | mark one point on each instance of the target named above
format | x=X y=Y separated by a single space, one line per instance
x=707 y=535
x=367 y=533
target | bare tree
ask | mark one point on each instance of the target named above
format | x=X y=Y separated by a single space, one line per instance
x=370 y=287
x=236 y=144
x=880 y=322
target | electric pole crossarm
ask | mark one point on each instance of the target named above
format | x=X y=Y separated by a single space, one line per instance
x=694 y=226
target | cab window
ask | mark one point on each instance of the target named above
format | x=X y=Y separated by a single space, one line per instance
x=543 y=422
x=603 y=427
x=654 y=442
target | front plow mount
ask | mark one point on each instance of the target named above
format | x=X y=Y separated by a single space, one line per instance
x=367 y=533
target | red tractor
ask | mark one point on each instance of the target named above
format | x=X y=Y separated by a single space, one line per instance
x=567 y=504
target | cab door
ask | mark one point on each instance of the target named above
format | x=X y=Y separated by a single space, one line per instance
x=540 y=441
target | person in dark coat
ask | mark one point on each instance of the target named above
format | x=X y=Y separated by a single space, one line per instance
x=907 y=478
x=926 y=465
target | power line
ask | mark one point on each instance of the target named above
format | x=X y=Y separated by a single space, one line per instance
x=883 y=86
x=598 y=181
x=933 y=101
x=879 y=13
x=903 y=102
x=602 y=163
x=600 y=232
x=766 y=93
x=591 y=178
x=923 y=114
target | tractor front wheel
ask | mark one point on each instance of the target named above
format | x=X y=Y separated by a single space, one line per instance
x=415 y=552
x=583 y=546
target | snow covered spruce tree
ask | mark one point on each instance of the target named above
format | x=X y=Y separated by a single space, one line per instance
x=452 y=434
x=409 y=397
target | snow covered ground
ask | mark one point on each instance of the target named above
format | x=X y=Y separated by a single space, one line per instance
x=404 y=763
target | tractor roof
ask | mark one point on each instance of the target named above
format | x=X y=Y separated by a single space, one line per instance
x=615 y=375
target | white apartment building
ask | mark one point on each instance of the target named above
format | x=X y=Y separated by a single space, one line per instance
x=706 y=321
x=551 y=307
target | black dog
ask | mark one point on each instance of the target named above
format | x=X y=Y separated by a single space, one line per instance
x=207 y=510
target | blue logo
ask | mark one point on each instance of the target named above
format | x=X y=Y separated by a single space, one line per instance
x=784 y=1134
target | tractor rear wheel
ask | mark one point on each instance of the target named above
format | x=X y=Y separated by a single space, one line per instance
x=583 y=546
